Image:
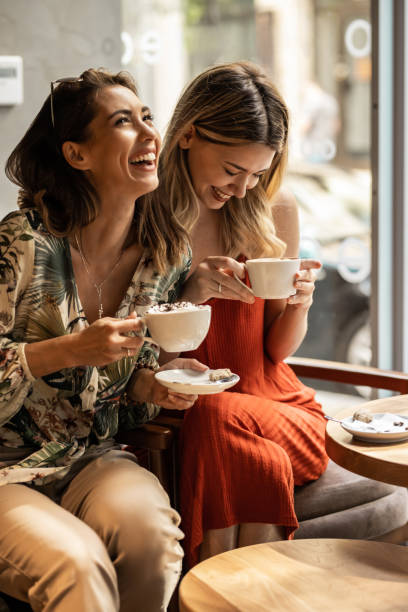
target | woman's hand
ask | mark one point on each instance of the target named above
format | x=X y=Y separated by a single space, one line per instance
x=183 y=363
x=305 y=283
x=145 y=387
x=217 y=277
x=108 y=340
x=162 y=396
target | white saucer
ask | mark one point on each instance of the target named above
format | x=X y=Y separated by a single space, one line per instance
x=375 y=431
x=193 y=382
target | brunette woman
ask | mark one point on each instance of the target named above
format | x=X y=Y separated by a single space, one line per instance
x=83 y=526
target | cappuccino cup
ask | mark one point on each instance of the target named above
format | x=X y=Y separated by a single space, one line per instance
x=271 y=278
x=178 y=327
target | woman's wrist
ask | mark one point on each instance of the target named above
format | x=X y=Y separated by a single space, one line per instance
x=52 y=355
x=140 y=387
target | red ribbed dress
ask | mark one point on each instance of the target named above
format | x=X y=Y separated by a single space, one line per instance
x=242 y=451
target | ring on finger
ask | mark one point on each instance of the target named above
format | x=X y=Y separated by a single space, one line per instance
x=219 y=288
x=128 y=352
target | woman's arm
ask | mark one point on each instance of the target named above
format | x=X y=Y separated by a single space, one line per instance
x=144 y=388
x=103 y=342
x=286 y=320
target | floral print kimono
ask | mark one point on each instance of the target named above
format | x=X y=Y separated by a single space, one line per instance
x=56 y=419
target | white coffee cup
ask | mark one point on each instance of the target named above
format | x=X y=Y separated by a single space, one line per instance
x=271 y=278
x=179 y=330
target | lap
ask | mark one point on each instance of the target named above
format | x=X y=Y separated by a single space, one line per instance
x=34 y=530
x=115 y=490
x=268 y=418
x=244 y=427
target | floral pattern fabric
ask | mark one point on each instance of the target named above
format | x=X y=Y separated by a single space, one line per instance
x=61 y=415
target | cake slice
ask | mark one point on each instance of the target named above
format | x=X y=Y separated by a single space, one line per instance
x=219 y=374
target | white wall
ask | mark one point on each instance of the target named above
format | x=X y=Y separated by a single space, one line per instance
x=56 y=39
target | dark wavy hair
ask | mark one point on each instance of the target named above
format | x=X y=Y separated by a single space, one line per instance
x=64 y=196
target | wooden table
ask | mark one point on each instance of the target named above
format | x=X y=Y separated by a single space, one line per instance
x=300 y=576
x=384 y=462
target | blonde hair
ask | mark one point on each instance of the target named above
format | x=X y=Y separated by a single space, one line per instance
x=229 y=104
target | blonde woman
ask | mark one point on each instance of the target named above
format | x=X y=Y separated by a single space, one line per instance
x=243 y=450
x=83 y=526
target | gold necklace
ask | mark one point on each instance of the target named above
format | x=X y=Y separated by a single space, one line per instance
x=98 y=286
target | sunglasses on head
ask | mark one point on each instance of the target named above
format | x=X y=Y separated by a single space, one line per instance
x=57 y=82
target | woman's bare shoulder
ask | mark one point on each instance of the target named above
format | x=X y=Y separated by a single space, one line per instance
x=284 y=202
x=286 y=220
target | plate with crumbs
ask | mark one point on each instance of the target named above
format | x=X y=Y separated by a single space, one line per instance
x=195 y=383
x=382 y=429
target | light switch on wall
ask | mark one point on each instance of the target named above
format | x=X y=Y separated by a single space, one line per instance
x=11 y=80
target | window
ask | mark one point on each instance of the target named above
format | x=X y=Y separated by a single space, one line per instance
x=319 y=54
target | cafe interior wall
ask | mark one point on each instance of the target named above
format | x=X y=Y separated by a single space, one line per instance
x=55 y=39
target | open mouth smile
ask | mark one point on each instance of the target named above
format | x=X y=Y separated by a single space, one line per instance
x=147 y=161
x=220 y=195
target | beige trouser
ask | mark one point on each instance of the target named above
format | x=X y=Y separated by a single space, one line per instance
x=111 y=545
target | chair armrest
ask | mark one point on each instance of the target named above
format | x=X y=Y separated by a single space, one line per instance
x=149 y=435
x=173 y=421
x=349 y=373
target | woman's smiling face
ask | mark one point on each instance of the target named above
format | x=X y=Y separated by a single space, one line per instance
x=123 y=145
x=220 y=171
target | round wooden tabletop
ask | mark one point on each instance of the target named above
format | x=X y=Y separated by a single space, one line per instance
x=300 y=576
x=384 y=462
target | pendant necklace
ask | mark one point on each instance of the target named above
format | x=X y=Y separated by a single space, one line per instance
x=98 y=286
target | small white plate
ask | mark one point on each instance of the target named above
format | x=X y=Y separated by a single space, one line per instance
x=377 y=434
x=193 y=382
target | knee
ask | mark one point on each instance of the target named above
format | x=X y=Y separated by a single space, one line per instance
x=141 y=524
x=157 y=538
x=85 y=557
x=82 y=569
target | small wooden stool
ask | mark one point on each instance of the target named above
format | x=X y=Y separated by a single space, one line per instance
x=300 y=576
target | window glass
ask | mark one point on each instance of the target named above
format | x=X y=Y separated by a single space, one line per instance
x=319 y=54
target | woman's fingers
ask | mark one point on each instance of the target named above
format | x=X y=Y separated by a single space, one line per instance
x=108 y=340
x=183 y=363
x=217 y=277
x=179 y=401
x=226 y=263
x=229 y=287
x=306 y=271
x=308 y=264
x=304 y=287
x=162 y=396
x=182 y=396
x=124 y=326
x=132 y=343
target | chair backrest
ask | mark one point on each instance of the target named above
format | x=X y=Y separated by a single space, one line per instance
x=349 y=374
